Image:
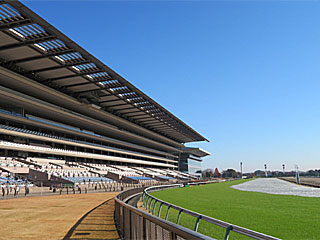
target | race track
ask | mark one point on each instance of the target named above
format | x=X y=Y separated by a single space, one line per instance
x=277 y=186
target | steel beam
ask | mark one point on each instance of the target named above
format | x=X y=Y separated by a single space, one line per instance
x=124 y=113
x=114 y=100
x=145 y=117
x=87 y=91
x=146 y=121
x=27 y=43
x=133 y=115
x=71 y=76
x=46 y=55
x=60 y=66
x=116 y=105
x=126 y=108
x=162 y=125
x=18 y=23
x=82 y=84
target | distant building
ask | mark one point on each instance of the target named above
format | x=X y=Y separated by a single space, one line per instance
x=190 y=160
x=260 y=173
x=217 y=173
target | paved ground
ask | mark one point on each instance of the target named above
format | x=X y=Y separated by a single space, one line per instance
x=96 y=224
x=52 y=217
x=277 y=186
x=46 y=192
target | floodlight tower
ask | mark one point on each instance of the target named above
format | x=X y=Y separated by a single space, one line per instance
x=265 y=170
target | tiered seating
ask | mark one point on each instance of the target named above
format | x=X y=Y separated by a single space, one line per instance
x=11 y=113
x=13 y=166
x=100 y=167
x=72 y=141
x=88 y=179
x=57 y=151
x=134 y=174
x=160 y=171
x=183 y=174
x=140 y=178
x=177 y=174
x=40 y=164
x=48 y=135
x=156 y=173
x=6 y=180
x=11 y=162
x=73 y=172
x=126 y=171
x=3 y=174
x=45 y=121
x=19 y=146
x=120 y=171
x=167 y=178
x=148 y=171
x=47 y=150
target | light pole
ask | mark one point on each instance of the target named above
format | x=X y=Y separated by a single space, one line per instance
x=265 y=170
x=241 y=168
x=297 y=174
x=283 y=168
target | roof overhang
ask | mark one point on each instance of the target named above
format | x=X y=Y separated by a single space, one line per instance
x=196 y=151
x=33 y=48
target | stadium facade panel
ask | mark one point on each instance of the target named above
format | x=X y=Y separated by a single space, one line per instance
x=58 y=101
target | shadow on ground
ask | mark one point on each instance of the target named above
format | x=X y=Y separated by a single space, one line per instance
x=98 y=223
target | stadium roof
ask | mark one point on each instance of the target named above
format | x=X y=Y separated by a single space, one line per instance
x=34 y=48
x=199 y=152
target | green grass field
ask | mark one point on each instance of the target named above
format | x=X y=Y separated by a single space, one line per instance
x=281 y=216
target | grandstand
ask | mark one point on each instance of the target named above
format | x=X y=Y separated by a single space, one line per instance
x=67 y=118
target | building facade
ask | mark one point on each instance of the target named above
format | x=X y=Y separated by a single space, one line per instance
x=58 y=101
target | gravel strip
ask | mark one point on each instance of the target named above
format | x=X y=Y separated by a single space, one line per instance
x=277 y=186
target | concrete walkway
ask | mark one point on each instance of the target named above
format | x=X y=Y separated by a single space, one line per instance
x=46 y=192
x=96 y=224
x=52 y=217
x=277 y=186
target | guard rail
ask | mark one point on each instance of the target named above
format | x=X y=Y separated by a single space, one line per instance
x=150 y=202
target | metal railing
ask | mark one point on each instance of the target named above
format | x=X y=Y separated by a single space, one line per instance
x=133 y=223
x=150 y=204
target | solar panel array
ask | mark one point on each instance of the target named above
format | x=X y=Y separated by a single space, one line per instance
x=34 y=48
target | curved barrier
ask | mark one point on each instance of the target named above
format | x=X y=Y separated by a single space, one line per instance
x=150 y=204
x=133 y=223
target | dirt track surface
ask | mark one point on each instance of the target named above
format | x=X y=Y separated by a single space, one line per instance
x=309 y=181
x=45 y=217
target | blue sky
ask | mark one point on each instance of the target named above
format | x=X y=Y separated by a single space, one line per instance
x=245 y=74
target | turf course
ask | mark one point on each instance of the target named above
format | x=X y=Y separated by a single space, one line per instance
x=285 y=217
